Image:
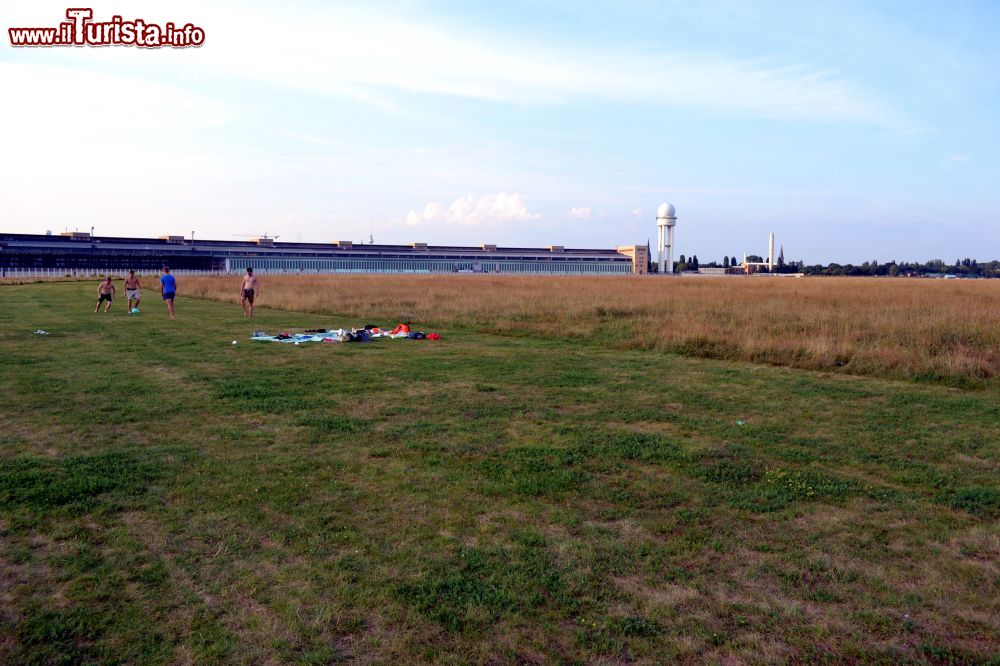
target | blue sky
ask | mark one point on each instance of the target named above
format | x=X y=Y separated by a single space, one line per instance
x=855 y=131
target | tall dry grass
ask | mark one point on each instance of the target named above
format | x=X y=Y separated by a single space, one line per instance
x=913 y=329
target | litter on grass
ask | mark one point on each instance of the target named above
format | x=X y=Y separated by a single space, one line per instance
x=366 y=334
x=41 y=332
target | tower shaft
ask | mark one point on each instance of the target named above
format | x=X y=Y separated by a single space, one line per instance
x=665 y=221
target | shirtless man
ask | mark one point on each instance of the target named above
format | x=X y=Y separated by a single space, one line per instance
x=105 y=292
x=248 y=290
x=132 y=287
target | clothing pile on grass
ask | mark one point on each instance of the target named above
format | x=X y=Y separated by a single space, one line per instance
x=366 y=334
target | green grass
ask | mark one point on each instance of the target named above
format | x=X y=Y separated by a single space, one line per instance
x=168 y=497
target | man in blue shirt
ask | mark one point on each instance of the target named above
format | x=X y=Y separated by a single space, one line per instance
x=168 y=289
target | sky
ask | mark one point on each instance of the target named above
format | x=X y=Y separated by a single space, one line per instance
x=855 y=131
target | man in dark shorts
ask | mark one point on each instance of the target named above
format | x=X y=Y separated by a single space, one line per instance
x=105 y=292
x=168 y=289
x=248 y=290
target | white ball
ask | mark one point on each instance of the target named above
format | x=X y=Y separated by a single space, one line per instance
x=234 y=342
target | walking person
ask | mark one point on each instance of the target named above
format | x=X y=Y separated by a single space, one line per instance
x=132 y=289
x=247 y=292
x=105 y=292
x=168 y=289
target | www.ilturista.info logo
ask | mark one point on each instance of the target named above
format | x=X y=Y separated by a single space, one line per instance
x=81 y=30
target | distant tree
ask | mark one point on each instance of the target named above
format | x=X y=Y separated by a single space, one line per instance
x=725 y=261
x=683 y=260
x=893 y=269
x=754 y=258
x=694 y=263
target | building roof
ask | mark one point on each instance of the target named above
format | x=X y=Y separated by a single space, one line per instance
x=172 y=246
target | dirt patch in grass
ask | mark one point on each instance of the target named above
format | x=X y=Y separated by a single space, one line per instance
x=651 y=427
x=664 y=594
x=977 y=462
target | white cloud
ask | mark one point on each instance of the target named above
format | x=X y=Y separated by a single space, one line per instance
x=955 y=162
x=89 y=146
x=474 y=211
x=580 y=213
x=371 y=55
x=64 y=101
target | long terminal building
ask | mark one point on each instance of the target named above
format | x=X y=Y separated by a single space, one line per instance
x=79 y=253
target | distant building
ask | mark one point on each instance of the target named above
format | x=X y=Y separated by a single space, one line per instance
x=749 y=267
x=73 y=251
x=639 y=254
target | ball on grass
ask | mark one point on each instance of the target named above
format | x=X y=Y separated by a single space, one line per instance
x=135 y=310
x=234 y=342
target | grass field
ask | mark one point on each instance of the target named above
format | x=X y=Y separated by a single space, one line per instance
x=927 y=330
x=167 y=497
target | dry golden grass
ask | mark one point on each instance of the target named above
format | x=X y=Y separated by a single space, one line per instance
x=914 y=329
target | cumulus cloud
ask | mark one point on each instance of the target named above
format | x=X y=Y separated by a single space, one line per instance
x=472 y=211
x=580 y=213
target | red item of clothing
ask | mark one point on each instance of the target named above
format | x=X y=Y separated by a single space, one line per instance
x=402 y=328
x=433 y=336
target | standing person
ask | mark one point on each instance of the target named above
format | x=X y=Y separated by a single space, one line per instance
x=132 y=288
x=168 y=289
x=105 y=292
x=247 y=291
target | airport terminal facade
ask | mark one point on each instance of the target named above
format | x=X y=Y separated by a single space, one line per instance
x=74 y=253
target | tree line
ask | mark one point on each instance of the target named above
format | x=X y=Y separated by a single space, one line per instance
x=962 y=267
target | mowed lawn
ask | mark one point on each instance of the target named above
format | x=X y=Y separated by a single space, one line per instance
x=167 y=497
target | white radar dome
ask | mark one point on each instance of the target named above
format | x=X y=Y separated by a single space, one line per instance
x=666 y=210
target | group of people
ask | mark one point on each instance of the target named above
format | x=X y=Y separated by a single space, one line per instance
x=168 y=292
